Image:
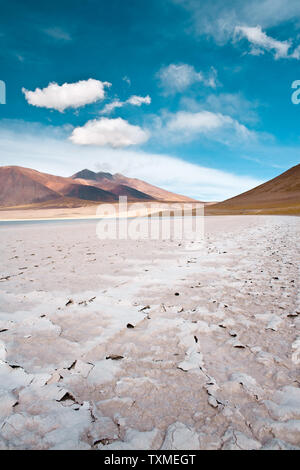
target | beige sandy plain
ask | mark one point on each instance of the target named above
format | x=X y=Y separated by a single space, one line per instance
x=215 y=367
x=94 y=211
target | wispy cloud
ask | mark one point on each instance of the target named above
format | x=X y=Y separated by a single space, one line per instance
x=176 y=78
x=139 y=100
x=218 y=19
x=127 y=80
x=261 y=42
x=58 y=34
x=20 y=57
x=235 y=105
x=133 y=100
x=187 y=126
x=110 y=107
x=263 y=162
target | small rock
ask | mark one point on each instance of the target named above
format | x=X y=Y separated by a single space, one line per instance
x=145 y=308
x=114 y=357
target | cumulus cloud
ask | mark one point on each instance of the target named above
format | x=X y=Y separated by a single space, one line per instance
x=261 y=42
x=178 y=77
x=109 y=132
x=68 y=95
x=46 y=149
x=133 y=100
x=188 y=125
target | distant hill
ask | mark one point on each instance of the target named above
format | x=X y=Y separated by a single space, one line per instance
x=24 y=187
x=91 y=175
x=120 y=184
x=281 y=195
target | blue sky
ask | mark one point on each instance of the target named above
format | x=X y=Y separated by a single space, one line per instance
x=187 y=95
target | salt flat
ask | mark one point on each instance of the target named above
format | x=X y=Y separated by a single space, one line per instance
x=97 y=351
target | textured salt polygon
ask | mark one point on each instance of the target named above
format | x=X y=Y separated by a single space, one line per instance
x=180 y=437
x=285 y=404
x=134 y=439
x=236 y=440
x=72 y=375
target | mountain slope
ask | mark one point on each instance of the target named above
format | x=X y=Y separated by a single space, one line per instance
x=88 y=193
x=131 y=193
x=280 y=195
x=22 y=186
x=17 y=187
x=116 y=183
x=153 y=191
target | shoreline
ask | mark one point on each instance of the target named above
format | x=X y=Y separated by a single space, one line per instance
x=88 y=218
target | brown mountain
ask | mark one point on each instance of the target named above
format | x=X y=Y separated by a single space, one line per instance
x=119 y=185
x=131 y=193
x=280 y=195
x=26 y=187
x=88 y=193
x=20 y=187
x=23 y=186
x=91 y=175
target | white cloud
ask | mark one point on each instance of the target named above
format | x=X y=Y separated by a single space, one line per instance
x=45 y=149
x=261 y=42
x=109 y=132
x=133 y=100
x=110 y=107
x=68 y=95
x=223 y=20
x=139 y=100
x=178 y=77
x=197 y=122
x=218 y=19
x=188 y=125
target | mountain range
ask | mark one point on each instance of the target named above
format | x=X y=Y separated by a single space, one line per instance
x=24 y=186
x=27 y=188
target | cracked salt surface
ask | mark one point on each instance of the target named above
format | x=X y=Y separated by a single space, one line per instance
x=215 y=367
